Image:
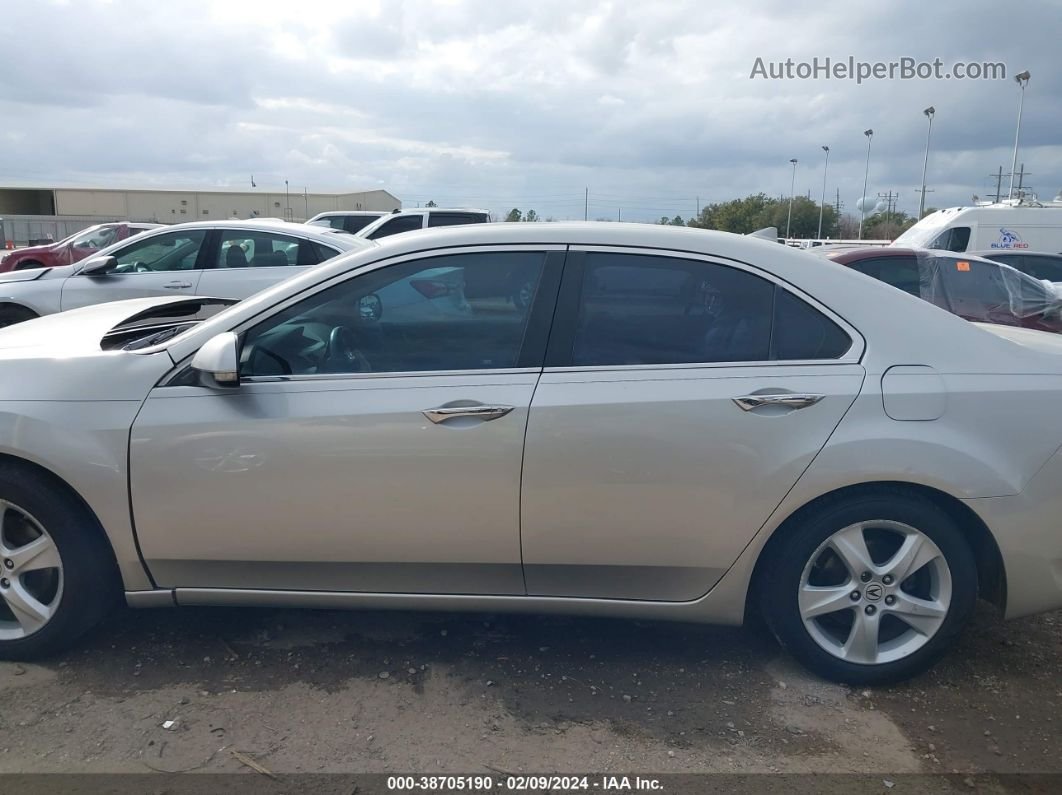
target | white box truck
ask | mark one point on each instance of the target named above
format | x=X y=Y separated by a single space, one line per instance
x=1020 y=224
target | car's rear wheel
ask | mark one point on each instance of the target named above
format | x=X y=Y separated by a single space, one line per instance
x=11 y=314
x=28 y=264
x=870 y=590
x=57 y=576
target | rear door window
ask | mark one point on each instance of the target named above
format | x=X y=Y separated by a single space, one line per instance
x=397 y=225
x=900 y=272
x=1039 y=267
x=355 y=223
x=455 y=219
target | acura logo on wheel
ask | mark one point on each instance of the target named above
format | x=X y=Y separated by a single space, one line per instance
x=874 y=592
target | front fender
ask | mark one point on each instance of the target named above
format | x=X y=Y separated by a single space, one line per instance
x=85 y=445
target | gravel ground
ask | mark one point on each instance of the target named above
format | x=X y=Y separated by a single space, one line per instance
x=298 y=692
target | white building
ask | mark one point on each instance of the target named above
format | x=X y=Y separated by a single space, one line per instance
x=58 y=212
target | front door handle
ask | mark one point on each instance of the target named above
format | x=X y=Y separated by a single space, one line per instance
x=792 y=400
x=177 y=285
x=485 y=413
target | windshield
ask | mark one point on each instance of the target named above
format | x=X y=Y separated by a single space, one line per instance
x=922 y=234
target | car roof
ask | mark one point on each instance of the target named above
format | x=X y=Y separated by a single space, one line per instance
x=342 y=213
x=269 y=225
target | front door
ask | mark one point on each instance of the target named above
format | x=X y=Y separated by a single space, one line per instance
x=374 y=444
x=164 y=264
x=681 y=400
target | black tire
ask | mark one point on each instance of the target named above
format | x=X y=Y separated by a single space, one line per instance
x=10 y=314
x=28 y=264
x=91 y=583
x=781 y=579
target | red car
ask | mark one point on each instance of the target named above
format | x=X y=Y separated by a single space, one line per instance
x=971 y=287
x=71 y=249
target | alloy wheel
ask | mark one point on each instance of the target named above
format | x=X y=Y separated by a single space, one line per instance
x=875 y=592
x=31 y=574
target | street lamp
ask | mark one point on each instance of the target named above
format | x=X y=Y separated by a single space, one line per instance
x=1022 y=81
x=822 y=203
x=792 y=189
x=866 y=177
x=929 y=113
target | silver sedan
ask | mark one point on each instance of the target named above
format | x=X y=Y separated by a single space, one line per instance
x=608 y=419
x=229 y=259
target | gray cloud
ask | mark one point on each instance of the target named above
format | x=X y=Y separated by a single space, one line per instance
x=518 y=105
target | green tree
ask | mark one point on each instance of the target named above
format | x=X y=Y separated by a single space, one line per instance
x=514 y=215
x=663 y=220
x=431 y=204
x=531 y=216
x=757 y=211
x=882 y=226
x=677 y=221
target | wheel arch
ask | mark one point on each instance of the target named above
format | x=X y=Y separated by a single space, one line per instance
x=7 y=303
x=991 y=574
x=43 y=473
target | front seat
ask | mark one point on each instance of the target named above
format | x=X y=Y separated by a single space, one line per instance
x=235 y=257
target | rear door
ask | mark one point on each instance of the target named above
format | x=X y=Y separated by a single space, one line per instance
x=681 y=399
x=246 y=261
x=165 y=264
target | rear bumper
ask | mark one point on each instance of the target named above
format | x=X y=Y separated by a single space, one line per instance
x=1028 y=530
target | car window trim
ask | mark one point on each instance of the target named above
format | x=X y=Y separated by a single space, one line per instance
x=562 y=339
x=547 y=249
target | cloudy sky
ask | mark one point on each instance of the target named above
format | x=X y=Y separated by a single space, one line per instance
x=485 y=103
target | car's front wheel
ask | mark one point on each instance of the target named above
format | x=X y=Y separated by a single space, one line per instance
x=872 y=589
x=57 y=575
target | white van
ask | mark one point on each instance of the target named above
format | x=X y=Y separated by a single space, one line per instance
x=1019 y=224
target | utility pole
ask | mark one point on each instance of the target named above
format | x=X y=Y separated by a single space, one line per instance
x=586 y=204
x=1022 y=174
x=698 y=215
x=619 y=214
x=999 y=184
x=838 y=204
x=306 y=202
x=890 y=204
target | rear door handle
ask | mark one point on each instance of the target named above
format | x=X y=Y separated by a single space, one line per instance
x=177 y=285
x=793 y=400
x=485 y=413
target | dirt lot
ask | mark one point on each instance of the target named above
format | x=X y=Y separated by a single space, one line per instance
x=390 y=692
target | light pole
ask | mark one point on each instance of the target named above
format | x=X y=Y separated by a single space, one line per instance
x=866 y=177
x=929 y=112
x=1022 y=80
x=822 y=202
x=287 y=202
x=792 y=189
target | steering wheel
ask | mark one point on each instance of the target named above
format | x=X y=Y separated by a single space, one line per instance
x=140 y=267
x=342 y=355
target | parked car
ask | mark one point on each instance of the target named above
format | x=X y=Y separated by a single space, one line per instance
x=346 y=220
x=421 y=218
x=679 y=424
x=970 y=287
x=72 y=249
x=226 y=259
x=1038 y=264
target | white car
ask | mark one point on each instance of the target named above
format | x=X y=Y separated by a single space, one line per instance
x=225 y=259
x=674 y=424
x=399 y=221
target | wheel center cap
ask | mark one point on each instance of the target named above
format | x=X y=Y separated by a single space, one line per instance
x=873 y=592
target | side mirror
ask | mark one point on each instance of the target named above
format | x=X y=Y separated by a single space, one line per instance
x=370 y=308
x=97 y=266
x=218 y=361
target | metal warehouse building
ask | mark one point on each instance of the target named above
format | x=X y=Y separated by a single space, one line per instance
x=37 y=213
